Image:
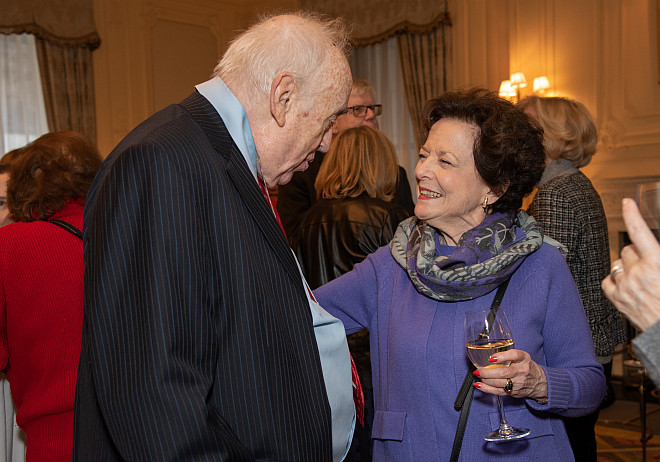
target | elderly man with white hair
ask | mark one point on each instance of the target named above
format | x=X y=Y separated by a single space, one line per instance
x=201 y=339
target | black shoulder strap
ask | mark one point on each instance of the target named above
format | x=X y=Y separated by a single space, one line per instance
x=464 y=398
x=67 y=226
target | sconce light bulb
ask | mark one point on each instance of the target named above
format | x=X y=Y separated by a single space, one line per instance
x=518 y=80
x=541 y=85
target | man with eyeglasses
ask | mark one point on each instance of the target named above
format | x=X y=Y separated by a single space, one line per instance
x=296 y=197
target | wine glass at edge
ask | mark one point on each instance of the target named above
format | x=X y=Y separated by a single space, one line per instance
x=485 y=337
x=648 y=200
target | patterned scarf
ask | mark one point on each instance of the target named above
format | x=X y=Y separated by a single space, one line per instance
x=486 y=255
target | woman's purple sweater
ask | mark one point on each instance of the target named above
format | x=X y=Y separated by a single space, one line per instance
x=419 y=359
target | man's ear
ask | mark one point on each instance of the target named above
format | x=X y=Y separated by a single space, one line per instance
x=281 y=91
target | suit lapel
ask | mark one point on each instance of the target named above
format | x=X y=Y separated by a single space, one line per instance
x=241 y=176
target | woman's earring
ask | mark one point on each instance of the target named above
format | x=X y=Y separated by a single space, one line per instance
x=485 y=205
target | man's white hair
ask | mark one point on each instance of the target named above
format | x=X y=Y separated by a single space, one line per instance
x=362 y=86
x=297 y=43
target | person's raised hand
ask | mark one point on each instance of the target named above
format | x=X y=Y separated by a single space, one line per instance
x=634 y=282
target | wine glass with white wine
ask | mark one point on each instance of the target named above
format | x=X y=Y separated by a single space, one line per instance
x=486 y=335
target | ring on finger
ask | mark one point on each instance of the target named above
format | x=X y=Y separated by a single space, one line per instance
x=508 y=388
x=616 y=270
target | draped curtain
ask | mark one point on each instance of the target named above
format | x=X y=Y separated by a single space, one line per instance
x=68 y=84
x=373 y=21
x=422 y=31
x=380 y=65
x=423 y=63
x=66 y=36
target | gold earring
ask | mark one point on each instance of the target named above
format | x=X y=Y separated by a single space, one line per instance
x=485 y=204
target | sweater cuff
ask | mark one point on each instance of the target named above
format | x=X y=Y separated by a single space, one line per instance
x=560 y=391
x=647 y=347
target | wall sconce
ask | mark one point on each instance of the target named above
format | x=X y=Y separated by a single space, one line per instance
x=517 y=82
x=507 y=91
x=541 y=85
x=510 y=89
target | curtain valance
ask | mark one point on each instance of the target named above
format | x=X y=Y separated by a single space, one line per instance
x=375 y=21
x=66 y=23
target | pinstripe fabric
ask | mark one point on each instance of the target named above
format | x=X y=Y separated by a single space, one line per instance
x=570 y=211
x=197 y=338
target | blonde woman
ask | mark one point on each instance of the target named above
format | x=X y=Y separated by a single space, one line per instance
x=570 y=210
x=353 y=215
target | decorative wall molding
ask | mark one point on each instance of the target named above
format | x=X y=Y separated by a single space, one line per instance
x=629 y=113
x=180 y=19
x=198 y=15
x=124 y=63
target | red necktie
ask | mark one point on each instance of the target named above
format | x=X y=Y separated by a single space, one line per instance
x=265 y=193
x=358 y=395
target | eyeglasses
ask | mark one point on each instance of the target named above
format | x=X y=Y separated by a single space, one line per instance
x=361 y=111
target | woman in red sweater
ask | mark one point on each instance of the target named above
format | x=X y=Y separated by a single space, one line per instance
x=41 y=287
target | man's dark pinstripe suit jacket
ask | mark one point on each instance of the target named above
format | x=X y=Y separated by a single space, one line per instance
x=197 y=340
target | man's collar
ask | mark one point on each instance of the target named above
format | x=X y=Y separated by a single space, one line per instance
x=233 y=115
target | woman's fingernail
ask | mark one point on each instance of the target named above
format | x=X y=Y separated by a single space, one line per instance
x=477 y=384
x=492 y=359
x=476 y=373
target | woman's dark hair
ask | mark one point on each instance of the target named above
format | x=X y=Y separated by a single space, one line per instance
x=508 y=148
x=55 y=168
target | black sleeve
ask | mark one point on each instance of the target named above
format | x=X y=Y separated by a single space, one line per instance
x=295 y=198
x=403 y=194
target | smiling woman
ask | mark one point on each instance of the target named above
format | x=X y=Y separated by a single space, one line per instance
x=451 y=192
x=468 y=238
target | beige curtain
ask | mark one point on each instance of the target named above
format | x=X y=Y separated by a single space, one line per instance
x=373 y=21
x=67 y=79
x=66 y=37
x=424 y=64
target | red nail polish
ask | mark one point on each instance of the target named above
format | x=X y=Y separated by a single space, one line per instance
x=476 y=373
x=477 y=384
x=492 y=359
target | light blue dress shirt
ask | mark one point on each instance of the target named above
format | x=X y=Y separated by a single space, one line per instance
x=329 y=331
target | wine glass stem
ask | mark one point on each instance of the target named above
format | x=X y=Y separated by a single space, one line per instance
x=505 y=428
